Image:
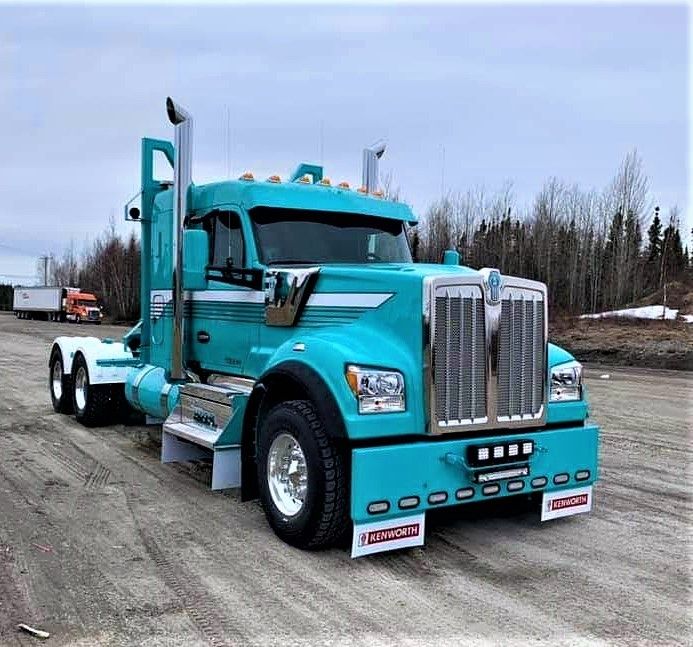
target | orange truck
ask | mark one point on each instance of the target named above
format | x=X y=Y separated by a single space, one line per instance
x=56 y=304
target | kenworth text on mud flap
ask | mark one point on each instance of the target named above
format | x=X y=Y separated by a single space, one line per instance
x=287 y=337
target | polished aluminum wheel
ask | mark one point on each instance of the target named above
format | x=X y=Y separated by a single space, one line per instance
x=81 y=386
x=287 y=475
x=57 y=380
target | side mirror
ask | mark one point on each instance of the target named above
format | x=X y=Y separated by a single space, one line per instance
x=195 y=259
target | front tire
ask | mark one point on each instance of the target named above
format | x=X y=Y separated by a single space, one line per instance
x=302 y=477
x=59 y=384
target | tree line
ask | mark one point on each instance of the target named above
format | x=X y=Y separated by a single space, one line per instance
x=595 y=249
x=587 y=246
x=108 y=268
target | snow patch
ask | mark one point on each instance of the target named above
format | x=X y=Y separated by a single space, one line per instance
x=645 y=312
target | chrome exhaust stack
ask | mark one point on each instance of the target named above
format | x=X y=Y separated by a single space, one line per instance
x=182 y=178
x=371 y=155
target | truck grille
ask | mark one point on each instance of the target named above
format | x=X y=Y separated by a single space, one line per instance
x=460 y=357
x=487 y=359
x=521 y=363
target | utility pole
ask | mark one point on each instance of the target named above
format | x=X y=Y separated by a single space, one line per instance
x=44 y=260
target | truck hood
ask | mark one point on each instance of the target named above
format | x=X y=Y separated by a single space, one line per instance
x=369 y=315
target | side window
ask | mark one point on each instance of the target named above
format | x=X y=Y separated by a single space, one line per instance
x=226 y=239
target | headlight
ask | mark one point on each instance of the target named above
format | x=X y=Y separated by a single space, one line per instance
x=566 y=382
x=377 y=391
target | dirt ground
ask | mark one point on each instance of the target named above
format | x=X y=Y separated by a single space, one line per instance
x=101 y=544
x=624 y=342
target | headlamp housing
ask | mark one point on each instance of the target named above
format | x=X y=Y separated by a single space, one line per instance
x=566 y=382
x=377 y=390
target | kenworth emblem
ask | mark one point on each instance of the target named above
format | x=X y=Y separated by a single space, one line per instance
x=494 y=283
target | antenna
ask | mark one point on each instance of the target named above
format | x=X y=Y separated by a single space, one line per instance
x=228 y=142
x=322 y=142
x=442 y=172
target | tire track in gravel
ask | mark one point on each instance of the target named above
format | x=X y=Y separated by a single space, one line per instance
x=202 y=609
x=14 y=606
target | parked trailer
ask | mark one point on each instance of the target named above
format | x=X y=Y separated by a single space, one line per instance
x=288 y=338
x=39 y=303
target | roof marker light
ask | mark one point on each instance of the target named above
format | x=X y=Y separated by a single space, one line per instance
x=247 y=177
x=362 y=189
x=275 y=179
x=378 y=194
x=305 y=179
x=344 y=185
x=325 y=181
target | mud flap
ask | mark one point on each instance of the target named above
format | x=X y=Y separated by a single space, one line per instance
x=565 y=503
x=389 y=534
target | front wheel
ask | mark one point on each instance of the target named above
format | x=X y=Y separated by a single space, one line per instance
x=302 y=477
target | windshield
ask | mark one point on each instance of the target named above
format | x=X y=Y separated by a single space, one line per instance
x=301 y=236
x=86 y=303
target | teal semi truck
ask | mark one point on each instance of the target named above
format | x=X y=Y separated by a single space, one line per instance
x=288 y=338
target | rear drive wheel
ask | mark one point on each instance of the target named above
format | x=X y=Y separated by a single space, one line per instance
x=60 y=385
x=94 y=404
x=302 y=477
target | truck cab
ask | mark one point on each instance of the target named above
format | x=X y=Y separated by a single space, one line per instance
x=288 y=338
x=82 y=307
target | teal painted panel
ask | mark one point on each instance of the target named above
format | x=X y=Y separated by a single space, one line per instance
x=294 y=195
x=562 y=412
x=419 y=469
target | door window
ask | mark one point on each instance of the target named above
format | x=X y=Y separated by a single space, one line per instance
x=225 y=239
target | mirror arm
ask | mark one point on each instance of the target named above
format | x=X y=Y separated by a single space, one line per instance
x=249 y=278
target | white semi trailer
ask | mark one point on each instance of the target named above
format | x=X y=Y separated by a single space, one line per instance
x=28 y=303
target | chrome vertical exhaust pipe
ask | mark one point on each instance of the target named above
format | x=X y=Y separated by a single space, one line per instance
x=371 y=155
x=182 y=178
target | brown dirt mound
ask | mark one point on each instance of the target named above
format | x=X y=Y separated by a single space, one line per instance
x=627 y=342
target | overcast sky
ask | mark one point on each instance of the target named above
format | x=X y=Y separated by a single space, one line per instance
x=512 y=93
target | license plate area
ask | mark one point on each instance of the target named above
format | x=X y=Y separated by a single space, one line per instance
x=566 y=503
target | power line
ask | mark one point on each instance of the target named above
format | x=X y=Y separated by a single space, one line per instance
x=16 y=250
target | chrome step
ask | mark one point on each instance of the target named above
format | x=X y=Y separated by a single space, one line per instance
x=202 y=426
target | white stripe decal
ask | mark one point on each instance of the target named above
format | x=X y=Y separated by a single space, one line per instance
x=228 y=296
x=348 y=299
x=319 y=299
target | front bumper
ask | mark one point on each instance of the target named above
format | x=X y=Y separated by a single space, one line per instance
x=403 y=473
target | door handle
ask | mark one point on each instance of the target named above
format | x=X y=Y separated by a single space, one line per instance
x=203 y=336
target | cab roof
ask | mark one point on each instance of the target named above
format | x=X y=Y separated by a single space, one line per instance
x=296 y=195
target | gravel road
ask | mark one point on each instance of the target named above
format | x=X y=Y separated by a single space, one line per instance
x=100 y=544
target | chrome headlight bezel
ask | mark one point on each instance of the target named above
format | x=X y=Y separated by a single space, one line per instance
x=566 y=382
x=377 y=390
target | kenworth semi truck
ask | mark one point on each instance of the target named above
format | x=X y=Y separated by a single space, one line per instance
x=288 y=338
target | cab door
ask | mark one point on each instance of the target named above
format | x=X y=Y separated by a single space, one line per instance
x=224 y=319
